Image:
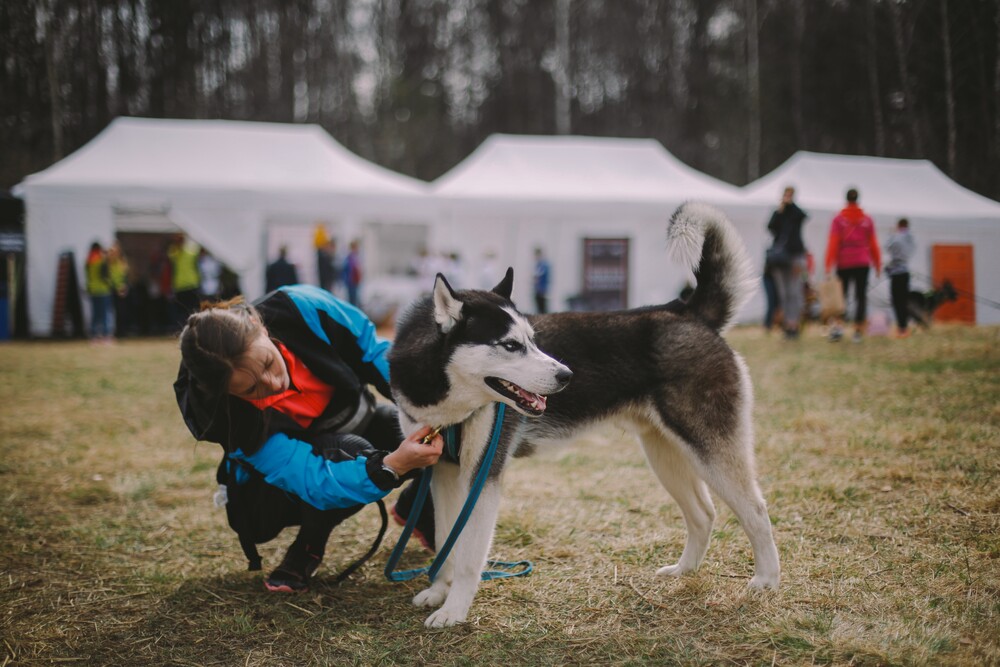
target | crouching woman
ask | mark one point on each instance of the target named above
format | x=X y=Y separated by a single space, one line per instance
x=283 y=386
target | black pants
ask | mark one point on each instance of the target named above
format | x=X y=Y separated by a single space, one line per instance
x=900 y=290
x=316 y=525
x=258 y=511
x=859 y=278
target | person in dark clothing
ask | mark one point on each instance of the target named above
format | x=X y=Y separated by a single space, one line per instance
x=900 y=249
x=282 y=385
x=281 y=272
x=540 y=282
x=787 y=260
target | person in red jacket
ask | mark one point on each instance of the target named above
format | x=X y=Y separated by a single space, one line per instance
x=853 y=250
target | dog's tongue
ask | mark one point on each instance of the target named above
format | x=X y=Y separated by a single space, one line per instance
x=536 y=401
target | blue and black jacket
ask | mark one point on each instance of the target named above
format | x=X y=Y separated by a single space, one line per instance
x=338 y=344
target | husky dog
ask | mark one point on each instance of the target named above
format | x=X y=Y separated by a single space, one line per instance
x=663 y=370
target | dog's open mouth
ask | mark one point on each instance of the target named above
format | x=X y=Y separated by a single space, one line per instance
x=533 y=404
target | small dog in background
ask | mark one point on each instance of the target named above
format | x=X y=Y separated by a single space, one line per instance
x=923 y=304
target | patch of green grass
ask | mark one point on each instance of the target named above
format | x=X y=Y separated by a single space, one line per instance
x=91 y=494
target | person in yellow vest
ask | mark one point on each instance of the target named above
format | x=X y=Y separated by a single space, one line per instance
x=186 y=281
x=99 y=290
x=118 y=275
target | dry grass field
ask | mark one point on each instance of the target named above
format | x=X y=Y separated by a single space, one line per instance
x=880 y=463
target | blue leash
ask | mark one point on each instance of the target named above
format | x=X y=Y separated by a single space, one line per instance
x=506 y=569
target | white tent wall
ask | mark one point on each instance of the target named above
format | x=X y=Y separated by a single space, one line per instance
x=60 y=224
x=514 y=193
x=513 y=231
x=220 y=182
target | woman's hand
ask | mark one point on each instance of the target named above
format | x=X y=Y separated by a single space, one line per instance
x=413 y=453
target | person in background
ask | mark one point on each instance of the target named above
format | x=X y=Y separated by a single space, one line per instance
x=771 y=295
x=209 y=274
x=281 y=272
x=186 y=283
x=118 y=274
x=160 y=292
x=283 y=386
x=787 y=259
x=353 y=273
x=541 y=282
x=901 y=247
x=454 y=271
x=489 y=271
x=853 y=249
x=99 y=290
x=326 y=249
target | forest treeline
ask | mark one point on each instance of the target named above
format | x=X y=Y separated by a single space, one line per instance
x=732 y=87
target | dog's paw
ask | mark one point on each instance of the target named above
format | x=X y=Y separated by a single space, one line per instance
x=430 y=597
x=675 y=570
x=446 y=617
x=764 y=582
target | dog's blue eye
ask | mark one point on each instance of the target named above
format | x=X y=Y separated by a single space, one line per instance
x=511 y=346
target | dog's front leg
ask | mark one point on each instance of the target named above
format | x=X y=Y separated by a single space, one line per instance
x=449 y=494
x=465 y=565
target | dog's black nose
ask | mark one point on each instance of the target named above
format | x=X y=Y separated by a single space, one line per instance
x=564 y=376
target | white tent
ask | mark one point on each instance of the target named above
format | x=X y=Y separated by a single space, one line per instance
x=939 y=210
x=228 y=185
x=516 y=193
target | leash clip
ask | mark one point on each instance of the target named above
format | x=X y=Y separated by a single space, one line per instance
x=430 y=436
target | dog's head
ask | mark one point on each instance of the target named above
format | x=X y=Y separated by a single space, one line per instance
x=493 y=350
x=948 y=292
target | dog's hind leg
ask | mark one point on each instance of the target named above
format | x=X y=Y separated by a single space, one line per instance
x=683 y=484
x=731 y=477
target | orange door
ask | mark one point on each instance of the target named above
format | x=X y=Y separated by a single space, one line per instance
x=954 y=263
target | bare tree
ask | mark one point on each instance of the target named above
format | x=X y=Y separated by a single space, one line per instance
x=753 y=91
x=873 y=83
x=949 y=90
x=51 y=41
x=909 y=101
x=798 y=44
x=996 y=91
x=561 y=70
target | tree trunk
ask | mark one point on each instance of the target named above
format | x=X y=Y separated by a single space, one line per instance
x=909 y=103
x=560 y=73
x=753 y=89
x=876 y=89
x=949 y=91
x=52 y=73
x=798 y=36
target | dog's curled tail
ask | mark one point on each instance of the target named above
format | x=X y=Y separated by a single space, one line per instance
x=702 y=238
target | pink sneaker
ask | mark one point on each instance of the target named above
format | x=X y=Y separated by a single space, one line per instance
x=424 y=542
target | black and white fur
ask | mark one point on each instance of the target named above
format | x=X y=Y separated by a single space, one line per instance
x=922 y=305
x=663 y=371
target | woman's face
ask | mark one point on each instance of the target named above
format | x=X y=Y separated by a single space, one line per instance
x=260 y=372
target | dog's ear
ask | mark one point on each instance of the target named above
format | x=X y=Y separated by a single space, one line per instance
x=447 y=307
x=506 y=285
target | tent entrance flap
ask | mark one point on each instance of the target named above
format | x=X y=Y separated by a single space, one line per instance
x=144 y=218
x=955 y=264
x=605 y=273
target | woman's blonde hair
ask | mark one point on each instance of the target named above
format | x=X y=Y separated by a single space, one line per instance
x=213 y=340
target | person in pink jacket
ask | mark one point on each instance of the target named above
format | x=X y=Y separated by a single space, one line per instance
x=853 y=250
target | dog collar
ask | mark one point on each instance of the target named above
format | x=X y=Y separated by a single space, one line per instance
x=452 y=443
